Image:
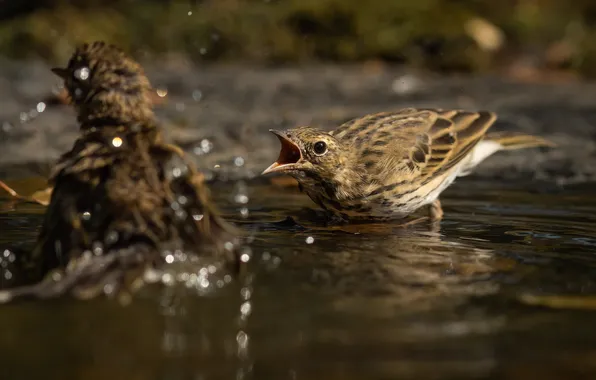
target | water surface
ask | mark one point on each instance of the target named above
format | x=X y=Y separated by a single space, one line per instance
x=371 y=302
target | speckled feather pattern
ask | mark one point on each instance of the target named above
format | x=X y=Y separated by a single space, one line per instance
x=388 y=165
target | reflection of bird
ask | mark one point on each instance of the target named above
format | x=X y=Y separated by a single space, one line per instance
x=121 y=188
x=387 y=165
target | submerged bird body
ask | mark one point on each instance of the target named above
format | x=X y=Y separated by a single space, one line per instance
x=388 y=165
x=121 y=187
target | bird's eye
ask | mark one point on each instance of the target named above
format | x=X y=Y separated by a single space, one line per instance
x=320 y=148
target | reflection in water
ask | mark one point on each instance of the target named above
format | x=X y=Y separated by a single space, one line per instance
x=320 y=303
x=211 y=344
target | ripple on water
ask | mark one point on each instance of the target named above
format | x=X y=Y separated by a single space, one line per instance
x=446 y=301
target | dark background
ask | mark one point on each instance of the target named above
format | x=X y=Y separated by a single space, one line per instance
x=523 y=38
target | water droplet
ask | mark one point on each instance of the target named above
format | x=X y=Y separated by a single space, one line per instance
x=56 y=276
x=246 y=251
x=203 y=51
x=161 y=92
x=180 y=255
x=24 y=117
x=245 y=293
x=182 y=200
x=7 y=274
x=244 y=212
x=266 y=256
x=204 y=147
x=241 y=191
x=180 y=214
x=197 y=95
x=177 y=172
x=117 y=142
x=204 y=283
x=239 y=161
x=33 y=113
x=189 y=13
x=41 y=106
x=82 y=73
x=211 y=269
x=241 y=198
x=198 y=217
x=108 y=289
x=167 y=279
x=111 y=238
x=184 y=277
x=276 y=261
x=245 y=308
x=242 y=339
x=87 y=255
x=97 y=248
x=227 y=278
x=7 y=127
x=176 y=167
x=229 y=246
x=169 y=259
x=78 y=93
x=244 y=258
x=310 y=240
x=86 y=215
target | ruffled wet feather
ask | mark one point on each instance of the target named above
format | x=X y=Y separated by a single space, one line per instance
x=121 y=192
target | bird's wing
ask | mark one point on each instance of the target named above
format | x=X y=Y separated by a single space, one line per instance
x=413 y=143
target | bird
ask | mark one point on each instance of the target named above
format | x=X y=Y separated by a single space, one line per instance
x=386 y=166
x=121 y=191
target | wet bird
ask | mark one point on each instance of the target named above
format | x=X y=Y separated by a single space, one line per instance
x=388 y=165
x=121 y=191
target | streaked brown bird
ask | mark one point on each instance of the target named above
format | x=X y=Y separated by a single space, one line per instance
x=388 y=165
x=121 y=191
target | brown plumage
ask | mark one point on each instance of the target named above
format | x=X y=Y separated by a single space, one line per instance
x=121 y=191
x=388 y=165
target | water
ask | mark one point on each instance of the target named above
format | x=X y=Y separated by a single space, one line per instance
x=505 y=290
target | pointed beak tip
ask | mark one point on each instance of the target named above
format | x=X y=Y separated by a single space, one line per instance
x=270 y=169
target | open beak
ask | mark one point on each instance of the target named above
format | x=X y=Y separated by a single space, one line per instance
x=62 y=73
x=289 y=154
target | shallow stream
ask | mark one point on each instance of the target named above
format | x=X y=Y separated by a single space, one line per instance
x=505 y=289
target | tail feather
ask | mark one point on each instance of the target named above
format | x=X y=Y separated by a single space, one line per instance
x=515 y=140
x=496 y=141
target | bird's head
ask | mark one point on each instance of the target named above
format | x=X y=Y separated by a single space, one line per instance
x=308 y=152
x=103 y=81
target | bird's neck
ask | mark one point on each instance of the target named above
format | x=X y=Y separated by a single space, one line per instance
x=343 y=185
x=348 y=183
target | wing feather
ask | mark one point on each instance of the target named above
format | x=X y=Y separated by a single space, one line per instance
x=413 y=142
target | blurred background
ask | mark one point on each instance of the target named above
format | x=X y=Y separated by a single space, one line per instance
x=526 y=39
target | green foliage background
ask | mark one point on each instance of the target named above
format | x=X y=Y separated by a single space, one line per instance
x=425 y=33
